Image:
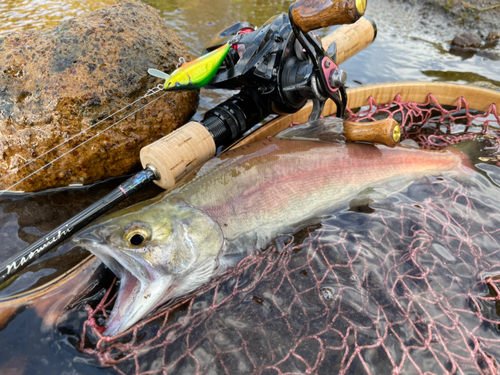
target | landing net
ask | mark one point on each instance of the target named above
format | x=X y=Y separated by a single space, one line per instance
x=409 y=284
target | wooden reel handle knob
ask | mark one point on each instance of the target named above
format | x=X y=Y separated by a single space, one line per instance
x=178 y=153
x=313 y=14
x=386 y=131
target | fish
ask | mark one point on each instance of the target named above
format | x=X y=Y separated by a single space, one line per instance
x=195 y=74
x=169 y=246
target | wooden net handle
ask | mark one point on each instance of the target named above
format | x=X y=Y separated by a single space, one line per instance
x=386 y=131
x=314 y=14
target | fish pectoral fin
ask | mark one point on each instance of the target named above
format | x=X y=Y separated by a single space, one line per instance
x=159 y=74
x=361 y=202
x=328 y=129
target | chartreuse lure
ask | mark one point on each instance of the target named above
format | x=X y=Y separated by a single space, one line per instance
x=194 y=74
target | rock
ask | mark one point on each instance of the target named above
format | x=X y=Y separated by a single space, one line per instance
x=488 y=55
x=467 y=40
x=464 y=53
x=56 y=83
x=493 y=35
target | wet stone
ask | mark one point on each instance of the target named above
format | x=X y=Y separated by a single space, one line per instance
x=489 y=55
x=493 y=35
x=56 y=83
x=327 y=293
x=467 y=40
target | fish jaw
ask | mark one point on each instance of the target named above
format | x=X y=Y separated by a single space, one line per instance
x=181 y=253
x=135 y=300
x=141 y=288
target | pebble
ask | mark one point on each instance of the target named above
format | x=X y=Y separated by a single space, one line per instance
x=328 y=293
x=488 y=55
x=493 y=35
x=467 y=40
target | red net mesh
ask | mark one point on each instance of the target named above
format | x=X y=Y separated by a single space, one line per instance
x=430 y=124
x=411 y=288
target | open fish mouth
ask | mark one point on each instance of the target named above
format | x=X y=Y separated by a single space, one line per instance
x=141 y=289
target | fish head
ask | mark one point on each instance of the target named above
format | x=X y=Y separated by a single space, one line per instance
x=159 y=251
x=179 y=80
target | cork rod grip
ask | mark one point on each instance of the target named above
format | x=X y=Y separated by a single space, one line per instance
x=313 y=14
x=351 y=39
x=178 y=153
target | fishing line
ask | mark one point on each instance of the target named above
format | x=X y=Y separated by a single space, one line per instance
x=150 y=92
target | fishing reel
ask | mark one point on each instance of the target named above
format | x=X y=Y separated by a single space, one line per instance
x=278 y=67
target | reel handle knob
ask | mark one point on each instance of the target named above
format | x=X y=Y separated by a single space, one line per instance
x=314 y=14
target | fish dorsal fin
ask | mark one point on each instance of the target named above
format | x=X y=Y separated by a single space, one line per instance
x=159 y=74
x=328 y=129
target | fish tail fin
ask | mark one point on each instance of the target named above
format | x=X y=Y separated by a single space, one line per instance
x=466 y=160
x=478 y=149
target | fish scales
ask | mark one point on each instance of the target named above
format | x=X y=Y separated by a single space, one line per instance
x=287 y=181
x=169 y=246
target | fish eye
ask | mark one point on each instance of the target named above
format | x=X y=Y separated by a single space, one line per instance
x=137 y=239
x=137 y=235
x=177 y=84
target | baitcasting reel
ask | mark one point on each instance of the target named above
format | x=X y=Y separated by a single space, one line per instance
x=278 y=67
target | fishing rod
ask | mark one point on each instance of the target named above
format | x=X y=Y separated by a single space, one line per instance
x=279 y=67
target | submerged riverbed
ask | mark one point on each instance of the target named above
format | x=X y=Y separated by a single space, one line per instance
x=434 y=246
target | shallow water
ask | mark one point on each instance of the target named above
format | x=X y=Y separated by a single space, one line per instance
x=409 y=46
x=17 y=15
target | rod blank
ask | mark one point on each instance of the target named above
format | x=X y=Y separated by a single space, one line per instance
x=27 y=256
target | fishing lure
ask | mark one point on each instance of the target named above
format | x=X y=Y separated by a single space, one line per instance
x=194 y=74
